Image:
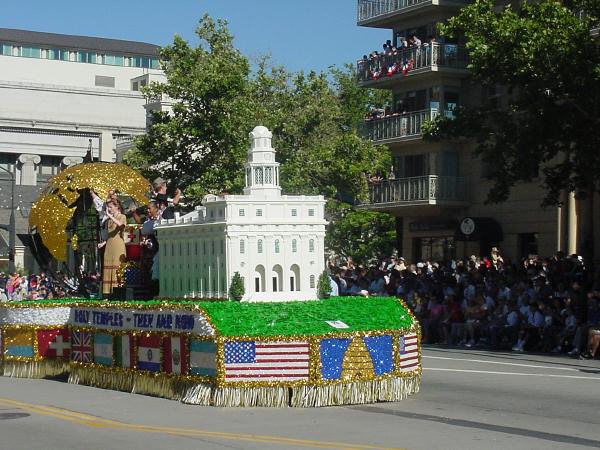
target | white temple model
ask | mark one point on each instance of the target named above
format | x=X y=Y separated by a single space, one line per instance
x=275 y=241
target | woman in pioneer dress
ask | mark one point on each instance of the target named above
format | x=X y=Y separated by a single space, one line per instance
x=114 y=252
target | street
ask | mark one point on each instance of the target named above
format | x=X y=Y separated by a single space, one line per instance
x=469 y=400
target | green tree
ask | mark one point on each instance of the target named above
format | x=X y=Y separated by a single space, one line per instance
x=199 y=145
x=545 y=57
x=314 y=117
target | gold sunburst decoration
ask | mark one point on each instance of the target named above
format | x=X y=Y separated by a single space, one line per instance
x=53 y=210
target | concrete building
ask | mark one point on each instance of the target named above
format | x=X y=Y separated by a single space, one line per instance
x=61 y=96
x=275 y=241
x=438 y=190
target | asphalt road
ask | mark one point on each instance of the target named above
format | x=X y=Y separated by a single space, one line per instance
x=468 y=400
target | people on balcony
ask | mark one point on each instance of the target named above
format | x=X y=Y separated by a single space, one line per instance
x=396 y=60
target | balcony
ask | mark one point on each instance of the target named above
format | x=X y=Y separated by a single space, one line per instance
x=397 y=127
x=387 y=69
x=381 y=13
x=417 y=191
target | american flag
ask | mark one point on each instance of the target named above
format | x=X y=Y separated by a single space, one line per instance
x=266 y=361
x=409 y=356
x=81 y=346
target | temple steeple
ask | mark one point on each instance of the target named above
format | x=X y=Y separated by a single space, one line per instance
x=262 y=171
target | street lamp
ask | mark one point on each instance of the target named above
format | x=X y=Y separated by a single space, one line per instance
x=11 y=224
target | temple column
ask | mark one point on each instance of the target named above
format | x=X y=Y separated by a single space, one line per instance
x=69 y=161
x=106 y=147
x=27 y=169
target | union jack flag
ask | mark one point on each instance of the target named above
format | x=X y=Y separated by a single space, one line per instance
x=409 y=355
x=81 y=346
x=266 y=361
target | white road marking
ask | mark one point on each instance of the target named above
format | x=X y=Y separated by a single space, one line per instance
x=502 y=363
x=490 y=372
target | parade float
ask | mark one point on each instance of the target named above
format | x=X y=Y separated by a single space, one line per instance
x=270 y=349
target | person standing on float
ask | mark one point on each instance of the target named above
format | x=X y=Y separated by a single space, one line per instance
x=114 y=253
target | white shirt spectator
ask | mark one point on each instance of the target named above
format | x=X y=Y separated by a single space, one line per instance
x=334 y=288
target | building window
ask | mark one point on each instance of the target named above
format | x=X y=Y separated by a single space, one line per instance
x=294 y=212
x=204 y=247
x=311 y=212
x=294 y=245
x=212 y=247
x=260 y=246
x=242 y=247
x=113 y=60
x=31 y=52
x=242 y=212
x=276 y=245
x=86 y=57
x=311 y=245
x=6 y=50
x=222 y=247
x=268 y=175
x=258 y=175
x=312 y=281
x=259 y=213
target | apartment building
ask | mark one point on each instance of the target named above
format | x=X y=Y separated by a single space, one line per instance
x=437 y=191
x=62 y=96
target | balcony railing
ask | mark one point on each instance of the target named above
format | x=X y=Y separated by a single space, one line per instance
x=398 y=126
x=429 y=189
x=370 y=9
x=403 y=62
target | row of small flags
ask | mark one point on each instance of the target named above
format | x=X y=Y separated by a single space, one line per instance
x=243 y=360
x=153 y=353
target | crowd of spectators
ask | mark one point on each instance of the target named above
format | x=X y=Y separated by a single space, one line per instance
x=15 y=287
x=392 y=59
x=536 y=304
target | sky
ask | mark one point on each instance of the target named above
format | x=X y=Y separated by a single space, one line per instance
x=299 y=34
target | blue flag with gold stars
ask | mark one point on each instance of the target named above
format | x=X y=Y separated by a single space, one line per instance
x=382 y=353
x=332 y=356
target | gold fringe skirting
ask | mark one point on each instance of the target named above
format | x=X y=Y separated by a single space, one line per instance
x=206 y=394
x=277 y=397
x=35 y=369
x=102 y=378
x=356 y=393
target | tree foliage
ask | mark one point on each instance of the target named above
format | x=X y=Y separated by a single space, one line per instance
x=544 y=56
x=202 y=146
